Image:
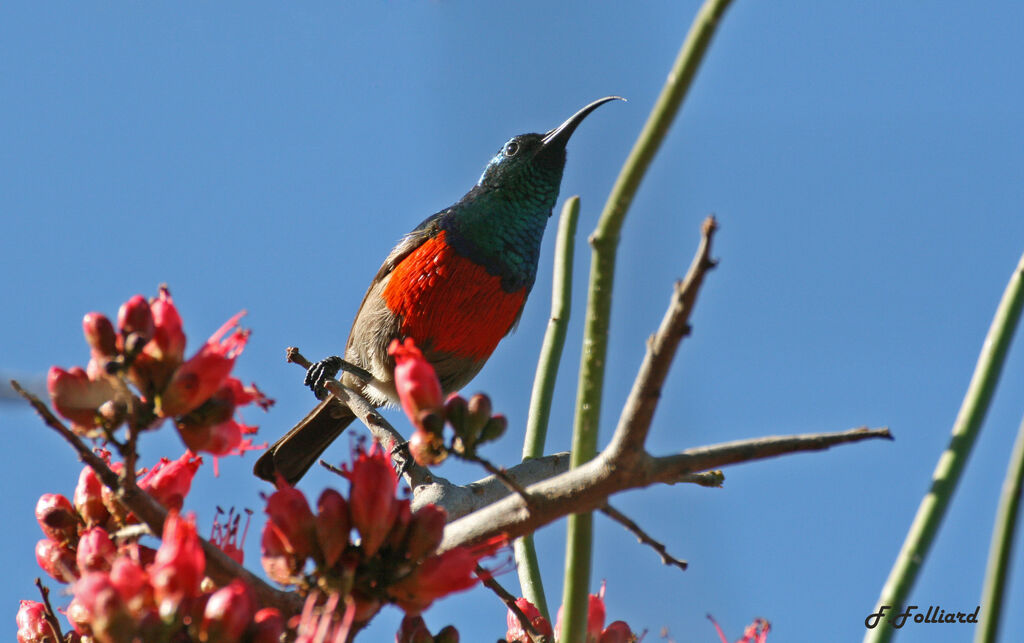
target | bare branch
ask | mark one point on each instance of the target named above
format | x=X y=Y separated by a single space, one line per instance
x=588 y=487
x=638 y=411
x=642 y=536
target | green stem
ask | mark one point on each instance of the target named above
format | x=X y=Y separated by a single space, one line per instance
x=951 y=463
x=993 y=593
x=544 y=388
x=605 y=241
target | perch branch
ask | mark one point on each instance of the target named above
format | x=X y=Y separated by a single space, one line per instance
x=588 y=487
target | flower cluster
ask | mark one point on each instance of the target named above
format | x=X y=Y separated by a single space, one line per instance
x=420 y=394
x=393 y=560
x=129 y=592
x=77 y=534
x=616 y=632
x=147 y=352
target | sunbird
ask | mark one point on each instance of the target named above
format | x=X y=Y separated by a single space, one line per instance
x=456 y=285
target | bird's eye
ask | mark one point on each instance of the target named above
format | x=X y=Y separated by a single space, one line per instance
x=511 y=148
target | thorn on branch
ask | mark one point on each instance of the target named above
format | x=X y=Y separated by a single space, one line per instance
x=642 y=536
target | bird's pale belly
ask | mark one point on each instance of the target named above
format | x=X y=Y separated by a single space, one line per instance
x=450 y=303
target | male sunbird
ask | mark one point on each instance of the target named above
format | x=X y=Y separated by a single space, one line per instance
x=456 y=285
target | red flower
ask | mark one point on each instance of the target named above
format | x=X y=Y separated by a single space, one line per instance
x=332 y=525
x=77 y=397
x=32 y=624
x=169 y=482
x=96 y=551
x=596 y=632
x=756 y=632
x=99 y=610
x=225 y=534
x=89 y=498
x=415 y=380
x=290 y=517
x=198 y=379
x=437 y=576
x=180 y=562
x=372 y=502
x=516 y=633
x=132 y=583
x=228 y=613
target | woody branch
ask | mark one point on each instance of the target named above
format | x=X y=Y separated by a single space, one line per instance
x=625 y=463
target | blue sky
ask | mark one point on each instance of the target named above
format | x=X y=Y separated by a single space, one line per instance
x=864 y=161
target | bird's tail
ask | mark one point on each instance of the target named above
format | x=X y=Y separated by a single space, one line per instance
x=297 y=450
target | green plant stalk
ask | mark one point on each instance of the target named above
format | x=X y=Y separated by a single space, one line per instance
x=544 y=387
x=951 y=463
x=1003 y=532
x=605 y=241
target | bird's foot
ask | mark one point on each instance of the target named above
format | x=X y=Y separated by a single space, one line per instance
x=405 y=461
x=319 y=372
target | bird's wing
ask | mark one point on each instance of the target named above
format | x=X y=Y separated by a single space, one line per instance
x=425 y=230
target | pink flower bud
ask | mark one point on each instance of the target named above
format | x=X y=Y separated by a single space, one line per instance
x=96 y=551
x=228 y=613
x=168 y=335
x=180 y=563
x=132 y=582
x=494 y=429
x=135 y=317
x=425 y=532
x=75 y=396
x=99 y=609
x=196 y=380
x=290 y=516
x=57 y=518
x=332 y=525
x=100 y=335
x=415 y=380
x=427 y=448
x=169 y=482
x=372 y=503
x=617 y=632
x=516 y=633
x=89 y=498
x=268 y=626
x=32 y=624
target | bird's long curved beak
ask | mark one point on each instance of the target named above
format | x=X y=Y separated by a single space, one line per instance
x=559 y=136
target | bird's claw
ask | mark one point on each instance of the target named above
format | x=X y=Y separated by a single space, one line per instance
x=405 y=457
x=318 y=374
